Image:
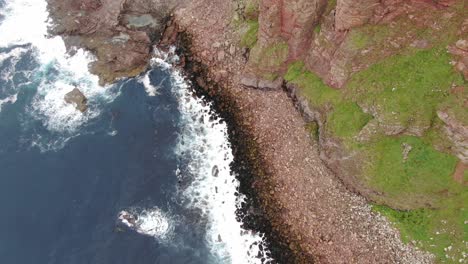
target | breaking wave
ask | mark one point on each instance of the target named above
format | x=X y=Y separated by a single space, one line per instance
x=151 y=90
x=53 y=73
x=204 y=147
x=150 y=222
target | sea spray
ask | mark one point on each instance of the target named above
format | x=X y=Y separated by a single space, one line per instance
x=204 y=147
x=55 y=73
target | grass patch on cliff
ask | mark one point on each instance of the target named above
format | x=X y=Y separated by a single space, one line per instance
x=455 y=104
x=249 y=39
x=423 y=180
x=424 y=176
x=347 y=119
x=439 y=231
x=251 y=9
x=405 y=89
x=357 y=40
x=312 y=87
x=270 y=58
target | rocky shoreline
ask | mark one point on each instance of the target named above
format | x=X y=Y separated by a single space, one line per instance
x=307 y=213
x=247 y=166
x=306 y=204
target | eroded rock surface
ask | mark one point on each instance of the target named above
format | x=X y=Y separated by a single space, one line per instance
x=457 y=133
x=119 y=32
x=78 y=99
x=353 y=13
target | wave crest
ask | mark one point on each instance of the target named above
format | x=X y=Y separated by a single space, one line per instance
x=150 y=222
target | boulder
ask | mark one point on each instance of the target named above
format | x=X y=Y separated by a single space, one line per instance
x=77 y=98
x=252 y=81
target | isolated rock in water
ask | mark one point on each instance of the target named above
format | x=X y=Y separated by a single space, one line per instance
x=77 y=98
x=215 y=171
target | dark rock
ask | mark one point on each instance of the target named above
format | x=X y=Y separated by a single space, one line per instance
x=215 y=171
x=77 y=98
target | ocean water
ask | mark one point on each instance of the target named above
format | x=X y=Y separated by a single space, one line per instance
x=142 y=177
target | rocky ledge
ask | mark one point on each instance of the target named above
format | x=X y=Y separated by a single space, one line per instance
x=119 y=32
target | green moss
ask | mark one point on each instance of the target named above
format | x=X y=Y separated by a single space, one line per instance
x=405 y=89
x=317 y=29
x=249 y=39
x=270 y=58
x=413 y=225
x=454 y=105
x=313 y=129
x=295 y=69
x=357 y=40
x=434 y=230
x=437 y=137
x=425 y=174
x=312 y=87
x=347 y=119
x=251 y=9
x=422 y=180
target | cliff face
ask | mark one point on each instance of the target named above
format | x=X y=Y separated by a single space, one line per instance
x=383 y=84
x=319 y=29
x=337 y=39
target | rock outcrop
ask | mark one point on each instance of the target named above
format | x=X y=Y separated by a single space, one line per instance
x=460 y=51
x=78 y=99
x=457 y=133
x=354 y=13
x=283 y=24
x=119 y=32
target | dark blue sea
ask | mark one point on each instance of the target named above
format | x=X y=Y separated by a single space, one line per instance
x=142 y=177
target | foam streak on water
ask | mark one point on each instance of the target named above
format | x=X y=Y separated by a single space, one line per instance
x=150 y=89
x=24 y=29
x=204 y=143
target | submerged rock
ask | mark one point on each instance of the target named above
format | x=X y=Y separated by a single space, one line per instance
x=78 y=99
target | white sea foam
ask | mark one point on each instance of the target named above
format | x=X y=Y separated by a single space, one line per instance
x=151 y=222
x=26 y=22
x=11 y=99
x=13 y=53
x=204 y=143
x=150 y=89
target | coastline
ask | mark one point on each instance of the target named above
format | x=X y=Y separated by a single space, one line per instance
x=248 y=164
x=314 y=213
x=310 y=214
